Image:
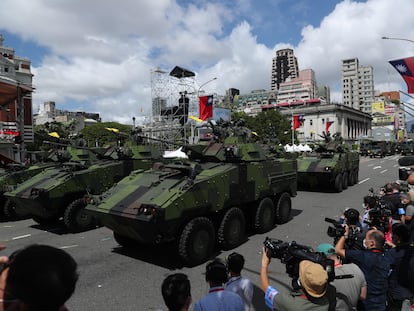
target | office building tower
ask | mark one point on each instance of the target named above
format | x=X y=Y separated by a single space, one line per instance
x=284 y=66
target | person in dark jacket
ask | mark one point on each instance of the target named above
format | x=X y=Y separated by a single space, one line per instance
x=400 y=268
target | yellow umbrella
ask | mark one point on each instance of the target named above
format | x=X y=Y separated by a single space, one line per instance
x=112 y=129
x=54 y=134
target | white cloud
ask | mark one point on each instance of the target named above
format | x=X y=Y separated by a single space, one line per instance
x=101 y=54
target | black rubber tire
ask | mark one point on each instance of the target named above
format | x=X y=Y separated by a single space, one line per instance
x=9 y=210
x=338 y=183
x=125 y=241
x=406 y=161
x=283 y=208
x=345 y=180
x=197 y=241
x=232 y=229
x=356 y=177
x=264 y=219
x=351 y=178
x=45 y=220
x=75 y=218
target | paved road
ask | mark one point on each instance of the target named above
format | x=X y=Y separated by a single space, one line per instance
x=113 y=279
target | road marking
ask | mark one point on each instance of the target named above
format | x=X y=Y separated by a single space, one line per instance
x=395 y=165
x=21 y=237
x=362 y=181
x=375 y=167
x=383 y=171
x=69 y=246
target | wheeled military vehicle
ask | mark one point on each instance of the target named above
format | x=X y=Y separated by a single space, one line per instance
x=331 y=165
x=14 y=174
x=58 y=192
x=210 y=197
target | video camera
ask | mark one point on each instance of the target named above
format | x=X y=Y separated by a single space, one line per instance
x=338 y=230
x=291 y=254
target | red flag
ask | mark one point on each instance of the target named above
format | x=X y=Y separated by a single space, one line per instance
x=206 y=107
x=328 y=125
x=405 y=67
x=297 y=121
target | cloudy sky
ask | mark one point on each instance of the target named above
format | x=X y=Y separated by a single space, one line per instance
x=98 y=55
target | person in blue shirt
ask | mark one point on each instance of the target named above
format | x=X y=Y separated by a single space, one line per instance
x=217 y=298
x=373 y=264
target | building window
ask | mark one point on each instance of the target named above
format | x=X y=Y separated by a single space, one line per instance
x=323 y=121
x=311 y=122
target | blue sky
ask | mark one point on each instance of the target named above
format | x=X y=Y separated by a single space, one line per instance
x=96 y=56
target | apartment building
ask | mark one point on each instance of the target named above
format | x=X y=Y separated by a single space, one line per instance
x=357 y=85
x=284 y=66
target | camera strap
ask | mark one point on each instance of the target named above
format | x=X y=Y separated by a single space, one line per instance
x=344 y=276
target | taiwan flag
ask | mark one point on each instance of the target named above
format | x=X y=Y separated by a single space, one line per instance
x=206 y=107
x=328 y=125
x=405 y=67
x=298 y=121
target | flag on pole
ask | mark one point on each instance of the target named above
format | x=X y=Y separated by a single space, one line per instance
x=328 y=125
x=206 y=107
x=405 y=67
x=298 y=121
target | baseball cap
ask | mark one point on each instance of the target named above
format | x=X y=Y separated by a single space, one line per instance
x=326 y=248
x=313 y=278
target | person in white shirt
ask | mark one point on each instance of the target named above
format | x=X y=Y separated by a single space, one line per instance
x=237 y=283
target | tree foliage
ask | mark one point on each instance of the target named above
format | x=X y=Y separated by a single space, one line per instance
x=97 y=134
x=270 y=125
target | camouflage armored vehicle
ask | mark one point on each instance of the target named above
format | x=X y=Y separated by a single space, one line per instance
x=331 y=165
x=210 y=197
x=15 y=173
x=58 y=192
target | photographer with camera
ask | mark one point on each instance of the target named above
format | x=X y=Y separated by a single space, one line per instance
x=350 y=284
x=313 y=283
x=372 y=263
x=356 y=232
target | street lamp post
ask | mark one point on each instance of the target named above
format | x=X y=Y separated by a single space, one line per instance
x=401 y=39
x=199 y=89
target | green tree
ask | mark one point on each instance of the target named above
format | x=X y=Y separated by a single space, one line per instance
x=270 y=125
x=97 y=134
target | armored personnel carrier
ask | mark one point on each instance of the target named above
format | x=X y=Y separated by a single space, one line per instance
x=14 y=174
x=331 y=165
x=210 y=197
x=59 y=192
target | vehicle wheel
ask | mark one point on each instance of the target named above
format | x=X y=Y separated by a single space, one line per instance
x=264 y=219
x=9 y=210
x=283 y=208
x=338 y=183
x=46 y=219
x=356 y=177
x=124 y=241
x=76 y=219
x=345 y=180
x=197 y=241
x=232 y=229
x=351 y=178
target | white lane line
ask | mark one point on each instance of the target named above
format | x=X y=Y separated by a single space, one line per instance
x=69 y=246
x=395 y=165
x=21 y=237
x=362 y=181
x=383 y=171
x=375 y=167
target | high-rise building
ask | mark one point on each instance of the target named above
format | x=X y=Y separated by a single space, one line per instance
x=357 y=85
x=284 y=66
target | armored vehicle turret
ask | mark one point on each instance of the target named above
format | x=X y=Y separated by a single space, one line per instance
x=59 y=191
x=331 y=165
x=225 y=185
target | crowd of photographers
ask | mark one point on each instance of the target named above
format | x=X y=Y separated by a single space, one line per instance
x=369 y=266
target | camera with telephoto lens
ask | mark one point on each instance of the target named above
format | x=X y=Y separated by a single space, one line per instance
x=379 y=216
x=291 y=254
